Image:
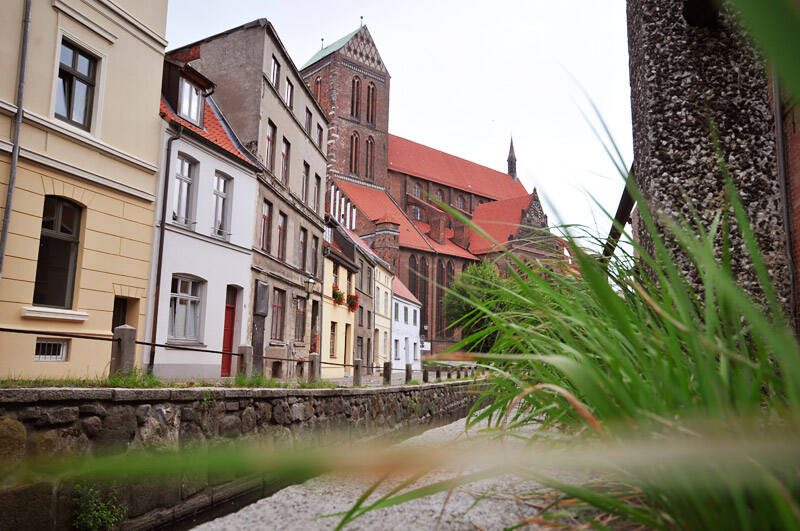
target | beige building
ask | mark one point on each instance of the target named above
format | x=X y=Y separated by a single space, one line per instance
x=383 y=313
x=338 y=322
x=78 y=250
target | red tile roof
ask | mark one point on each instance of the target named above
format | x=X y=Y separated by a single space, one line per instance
x=400 y=289
x=499 y=219
x=431 y=164
x=213 y=129
x=365 y=247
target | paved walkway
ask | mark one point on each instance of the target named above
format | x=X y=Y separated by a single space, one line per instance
x=487 y=504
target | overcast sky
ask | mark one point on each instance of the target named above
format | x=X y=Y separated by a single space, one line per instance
x=467 y=74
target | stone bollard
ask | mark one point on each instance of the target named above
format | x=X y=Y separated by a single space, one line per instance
x=246 y=360
x=425 y=376
x=409 y=373
x=387 y=373
x=313 y=367
x=357 y=372
x=123 y=350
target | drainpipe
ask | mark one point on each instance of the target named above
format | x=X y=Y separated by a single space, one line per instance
x=780 y=147
x=12 y=175
x=160 y=257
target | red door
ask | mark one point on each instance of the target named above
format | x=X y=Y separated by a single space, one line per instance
x=227 y=337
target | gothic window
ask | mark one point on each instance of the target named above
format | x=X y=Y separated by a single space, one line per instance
x=440 y=282
x=450 y=275
x=370 y=158
x=412 y=275
x=460 y=202
x=317 y=87
x=417 y=190
x=416 y=213
x=354 y=153
x=423 y=293
x=355 y=98
x=371 y=103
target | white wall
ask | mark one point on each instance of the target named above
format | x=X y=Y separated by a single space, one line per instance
x=195 y=252
x=405 y=333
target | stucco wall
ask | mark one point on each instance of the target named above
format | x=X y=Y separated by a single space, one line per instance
x=403 y=332
x=343 y=317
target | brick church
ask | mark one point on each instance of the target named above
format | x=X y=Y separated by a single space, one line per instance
x=383 y=186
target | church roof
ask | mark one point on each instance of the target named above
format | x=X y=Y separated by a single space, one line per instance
x=329 y=49
x=417 y=160
x=499 y=219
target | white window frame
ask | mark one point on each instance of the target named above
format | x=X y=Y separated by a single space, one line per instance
x=198 y=117
x=198 y=299
x=222 y=199
x=178 y=178
x=63 y=354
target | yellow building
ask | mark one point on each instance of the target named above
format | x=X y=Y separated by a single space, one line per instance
x=77 y=258
x=383 y=313
x=337 y=320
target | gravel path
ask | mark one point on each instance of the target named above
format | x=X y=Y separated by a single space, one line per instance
x=479 y=505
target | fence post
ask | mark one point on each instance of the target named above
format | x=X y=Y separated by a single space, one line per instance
x=357 y=372
x=408 y=372
x=425 y=376
x=246 y=360
x=123 y=350
x=313 y=369
x=387 y=373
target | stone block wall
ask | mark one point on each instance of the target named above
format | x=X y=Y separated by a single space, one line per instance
x=50 y=422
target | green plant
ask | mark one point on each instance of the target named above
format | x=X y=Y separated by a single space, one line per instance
x=96 y=510
x=412 y=382
x=207 y=402
x=317 y=384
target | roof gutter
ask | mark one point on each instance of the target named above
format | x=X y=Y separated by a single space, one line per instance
x=12 y=175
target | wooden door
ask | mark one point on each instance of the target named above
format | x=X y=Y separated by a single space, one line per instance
x=227 y=336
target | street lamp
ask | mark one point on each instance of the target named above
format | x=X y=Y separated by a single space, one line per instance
x=309 y=283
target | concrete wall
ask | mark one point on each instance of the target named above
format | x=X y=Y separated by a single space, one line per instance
x=55 y=422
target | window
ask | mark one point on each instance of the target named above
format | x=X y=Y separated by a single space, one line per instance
x=369 y=319
x=285 y=149
x=369 y=281
x=405 y=349
x=335 y=275
x=386 y=302
x=417 y=190
x=314 y=255
x=355 y=98
x=397 y=349
x=317 y=87
x=266 y=226
x=405 y=314
x=289 y=94
x=272 y=133
x=278 y=304
x=371 y=103
x=305 y=183
x=354 y=153
x=360 y=316
x=182 y=191
x=333 y=340
x=51 y=349
x=460 y=202
x=282 y=236
x=190 y=101
x=302 y=250
x=370 y=157
x=308 y=121
x=58 y=253
x=349 y=283
x=386 y=344
x=422 y=279
x=415 y=317
x=412 y=275
x=416 y=213
x=75 y=90
x=275 y=73
x=360 y=348
x=315 y=193
x=439 y=195
x=184 y=308
x=416 y=352
x=222 y=191
x=300 y=319
x=397 y=312
x=319 y=136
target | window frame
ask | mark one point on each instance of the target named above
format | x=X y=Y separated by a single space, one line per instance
x=266 y=226
x=355 y=139
x=314 y=255
x=283 y=222
x=300 y=319
x=333 y=338
x=317 y=187
x=63 y=355
x=73 y=74
x=222 y=231
x=355 y=98
x=187 y=220
x=275 y=73
x=74 y=248
x=309 y=121
x=278 y=322
x=370 y=162
x=198 y=120
x=319 y=136
x=272 y=134
x=302 y=247
x=288 y=96
x=306 y=182
x=286 y=153
x=198 y=299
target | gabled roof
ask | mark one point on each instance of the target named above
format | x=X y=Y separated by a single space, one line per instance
x=215 y=130
x=329 y=49
x=364 y=246
x=427 y=163
x=499 y=219
x=400 y=289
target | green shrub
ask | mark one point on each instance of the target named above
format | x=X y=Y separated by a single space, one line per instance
x=94 y=510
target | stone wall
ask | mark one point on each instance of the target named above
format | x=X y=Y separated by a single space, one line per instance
x=42 y=423
x=683 y=78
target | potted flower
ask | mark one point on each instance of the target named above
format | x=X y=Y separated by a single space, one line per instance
x=338 y=295
x=352 y=302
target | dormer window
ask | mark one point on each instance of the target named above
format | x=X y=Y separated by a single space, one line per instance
x=189 y=101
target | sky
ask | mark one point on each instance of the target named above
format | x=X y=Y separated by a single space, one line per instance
x=466 y=75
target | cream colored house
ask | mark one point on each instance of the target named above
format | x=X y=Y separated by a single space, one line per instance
x=383 y=313
x=78 y=253
x=338 y=322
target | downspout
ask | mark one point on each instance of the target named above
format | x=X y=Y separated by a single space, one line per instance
x=160 y=257
x=780 y=146
x=12 y=174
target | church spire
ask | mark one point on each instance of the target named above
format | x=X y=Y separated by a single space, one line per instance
x=512 y=161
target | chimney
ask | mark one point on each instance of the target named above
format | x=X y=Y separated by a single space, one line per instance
x=437 y=229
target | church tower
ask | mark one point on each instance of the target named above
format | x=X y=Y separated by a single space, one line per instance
x=512 y=161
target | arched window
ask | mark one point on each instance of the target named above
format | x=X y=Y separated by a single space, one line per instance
x=451 y=271
x=58 y=253
x=440 y=280
x=417 y=190
x=412 y=275
x=460 y=202
x=416 y=213
x=423 y=293
x=355 y=98
x=439 y=195
x=371 y=103
x=370 y=158
x=317 y=87
x=354 y=153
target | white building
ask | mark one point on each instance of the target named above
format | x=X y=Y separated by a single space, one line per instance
x=204 y=265
x=406 y=346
